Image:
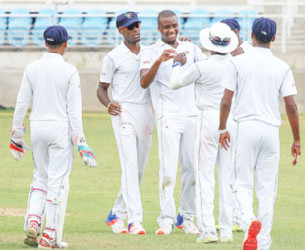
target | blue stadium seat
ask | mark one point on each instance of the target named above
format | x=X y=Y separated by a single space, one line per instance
x=93 y=28
x=149 y=26
x=245 y=21
x=41 y=23
x=3 y=24
x=221 y=14
x=72 y=23
x=193 y=25
x=19 y=27
x=113 y=36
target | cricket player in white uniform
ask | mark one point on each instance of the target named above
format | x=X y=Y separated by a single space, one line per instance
x=243 y=46
x=55 y=119
x=259 y=79
x=208 y=75
x=175 y=114
x=132 y=121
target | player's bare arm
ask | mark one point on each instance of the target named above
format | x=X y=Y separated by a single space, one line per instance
x=225 y=106
x=113 y=108
x=148 y=75
x=293 y=117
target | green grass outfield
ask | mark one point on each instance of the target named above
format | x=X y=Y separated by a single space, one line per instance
x=93 y=191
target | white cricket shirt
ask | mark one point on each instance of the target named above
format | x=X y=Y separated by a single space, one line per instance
x=258 y=79
x=207 y=76
x=120 y=68
x=245 y=46
x=166 y=101
x=54 y=86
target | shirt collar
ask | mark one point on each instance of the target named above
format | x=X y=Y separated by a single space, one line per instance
x=160 y=43
x=217 y=57
x=262 y=50
x=125 y=49
x=53 y=55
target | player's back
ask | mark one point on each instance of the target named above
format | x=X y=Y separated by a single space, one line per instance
x=259 y=85
x=49 y=78
x=208 y=89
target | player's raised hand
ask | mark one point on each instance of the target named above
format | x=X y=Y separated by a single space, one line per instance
x=167 y=54
x=114 y=108
x=84 y=150
x=18 y=146
x=295 y=152
x=224 y=140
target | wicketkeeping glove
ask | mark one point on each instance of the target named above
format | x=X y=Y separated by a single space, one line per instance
x=84 y=150
x=18 y=146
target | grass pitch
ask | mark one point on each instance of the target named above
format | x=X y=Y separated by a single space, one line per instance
x=93 y=191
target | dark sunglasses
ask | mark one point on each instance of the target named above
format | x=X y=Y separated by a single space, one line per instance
x=132 y=26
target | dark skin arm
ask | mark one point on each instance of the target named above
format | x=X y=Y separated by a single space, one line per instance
x=113 y=108
x=293 y=117
x=225 y=106
x=148 y=75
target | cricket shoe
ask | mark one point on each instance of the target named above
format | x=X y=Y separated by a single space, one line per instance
x=250 y=240
x=46 y=242
x=188 y=225
x=208 y=238
x=136 y=228
x=165 y=229
x=117 y=225
x=31 y=234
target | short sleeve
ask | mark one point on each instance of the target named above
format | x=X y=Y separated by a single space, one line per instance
x=147 y=59
x=288 y=86
x=108 y=70
x=199 y=55
x=230 y=78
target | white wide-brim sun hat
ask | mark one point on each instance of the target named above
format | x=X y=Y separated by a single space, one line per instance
x=219 y=38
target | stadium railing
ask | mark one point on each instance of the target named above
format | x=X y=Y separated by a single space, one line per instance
x=98 y=30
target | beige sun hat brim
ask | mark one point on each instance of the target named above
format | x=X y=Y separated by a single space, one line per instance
x=207 y=44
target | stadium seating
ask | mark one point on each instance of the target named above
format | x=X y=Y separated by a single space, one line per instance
x=221 y=14
x=41 y=23
x=195 y=23
x=246 y=19
x=72 y=20
x=149 y=26
x=3 y=24
x=19 y=27
x=94 y=27
x=113 y=36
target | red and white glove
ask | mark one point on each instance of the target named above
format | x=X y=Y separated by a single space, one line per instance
x=84 y=150
x=18 y=146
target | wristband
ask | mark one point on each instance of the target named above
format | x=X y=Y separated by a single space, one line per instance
x=296 y=146
x=222 y=131
x=176 y=64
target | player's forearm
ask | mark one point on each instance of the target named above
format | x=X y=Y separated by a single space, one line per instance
x=102 y=95
x=293 y=117
x=148 y=75
x=19 y=113
x=225 y=107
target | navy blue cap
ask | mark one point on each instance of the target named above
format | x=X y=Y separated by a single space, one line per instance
x=126 y=19
x=232 y=23
x=55 y=35
x=264 y=29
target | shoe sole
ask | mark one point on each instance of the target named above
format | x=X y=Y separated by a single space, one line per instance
x=162 y=233
x=31 y=232
x=250 y=243
x=139 y=233
x=31 y=242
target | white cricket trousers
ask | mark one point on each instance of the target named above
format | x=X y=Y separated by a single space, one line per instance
x=133 y=134
x=207 y=154
x=53 y=158
x=256 y=154
x=176 y=139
